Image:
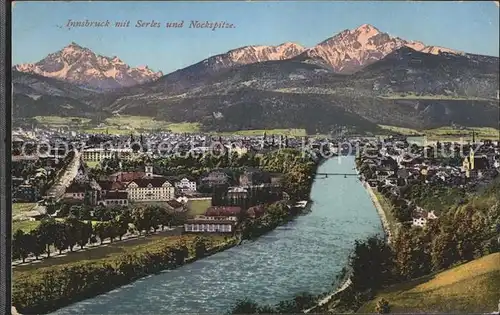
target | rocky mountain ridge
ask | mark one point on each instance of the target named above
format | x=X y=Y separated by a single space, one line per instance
x=83 y=67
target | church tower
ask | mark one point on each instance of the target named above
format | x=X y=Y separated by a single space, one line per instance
x=471 y=159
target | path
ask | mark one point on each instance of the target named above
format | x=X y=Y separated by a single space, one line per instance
x=127 y=237
x=65 y=179
x=328 y=298
x=381 y=212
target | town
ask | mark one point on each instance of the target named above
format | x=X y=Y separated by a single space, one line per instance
x=96 y=189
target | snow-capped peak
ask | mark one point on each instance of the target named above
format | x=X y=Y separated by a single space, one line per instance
x=367 y=29
x=80 y=65
x=350 y=50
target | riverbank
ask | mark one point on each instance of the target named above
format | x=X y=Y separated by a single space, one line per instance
x=381 y=212
x=40 y=291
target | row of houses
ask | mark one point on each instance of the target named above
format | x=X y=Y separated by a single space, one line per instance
x=393 y=167
x=124 y=187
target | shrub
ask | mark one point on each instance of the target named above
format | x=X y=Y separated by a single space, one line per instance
x=383 y=307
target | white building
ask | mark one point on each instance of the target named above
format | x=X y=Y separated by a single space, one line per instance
x=115 y=198
x=185 y=185
x=211 y=224
x=150 y=188
x=99 y=154
x=419 y=221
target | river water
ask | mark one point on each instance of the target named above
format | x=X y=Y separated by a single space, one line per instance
x=304 y=255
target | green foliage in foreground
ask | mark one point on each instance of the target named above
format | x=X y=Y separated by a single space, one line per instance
x=46 y=289
x=297 y=304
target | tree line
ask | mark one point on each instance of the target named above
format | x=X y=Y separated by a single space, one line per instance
x=46 y=289
x=70 y=232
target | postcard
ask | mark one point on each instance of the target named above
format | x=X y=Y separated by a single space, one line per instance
x=255 y=157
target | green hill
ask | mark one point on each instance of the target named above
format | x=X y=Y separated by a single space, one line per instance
x=472 y=287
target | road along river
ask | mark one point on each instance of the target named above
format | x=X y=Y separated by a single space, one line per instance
x=304 y=255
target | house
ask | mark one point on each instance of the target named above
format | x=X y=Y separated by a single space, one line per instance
x=391 y=179
x=185 y=185
x=237 y=193
x=253 y=176
x=210 y=224
x=110 y=186
x=76 y=191
x=256 y=211
x=115 y=198
x=150 y=189
x=99 y=154
x=215 y=178
x=26 y=192
x=223 y=211
x=382 y=175
x=88 y=191
x=126 y=177
x=421 y=221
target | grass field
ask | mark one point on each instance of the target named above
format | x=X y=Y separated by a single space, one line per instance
x=108 y=130
x=148 y=123
x=19 y=208
x=26 y=226
x=198 y=207
x=473 y=287
x=92 y=164
x=412 y=96
x=447 y=133
x=109 y=250
x=269 y=132
x=60 y=121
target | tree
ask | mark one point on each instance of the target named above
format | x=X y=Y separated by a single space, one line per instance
x=61 y=237
x=101 y=231
x=73 y=227
x=200 y=246
x=371 y=264
x=84 y=233
x=21 y=245
x=47 y=230
x=38 y=243
x=383 y=306
x=443 y=251
x=122 y=224
x=245 y=306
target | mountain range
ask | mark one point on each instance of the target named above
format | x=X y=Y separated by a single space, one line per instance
x=81 y=66
x=360 y=77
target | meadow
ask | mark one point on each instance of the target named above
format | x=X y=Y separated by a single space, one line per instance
x=473 y=287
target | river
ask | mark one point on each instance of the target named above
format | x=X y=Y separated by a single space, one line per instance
x=304 y=255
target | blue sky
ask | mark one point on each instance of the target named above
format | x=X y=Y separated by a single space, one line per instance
x=38 y=27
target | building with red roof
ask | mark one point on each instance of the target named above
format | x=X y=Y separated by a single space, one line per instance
x=223 y=211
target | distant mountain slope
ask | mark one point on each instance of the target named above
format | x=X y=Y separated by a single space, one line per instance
x=195 y=75
x=351 y=50
x=397 y=90
x=35 y=95
x=469 y=288
x=83 y=67
x=408 y=71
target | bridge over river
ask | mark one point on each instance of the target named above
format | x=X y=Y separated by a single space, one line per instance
x=304 y=255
